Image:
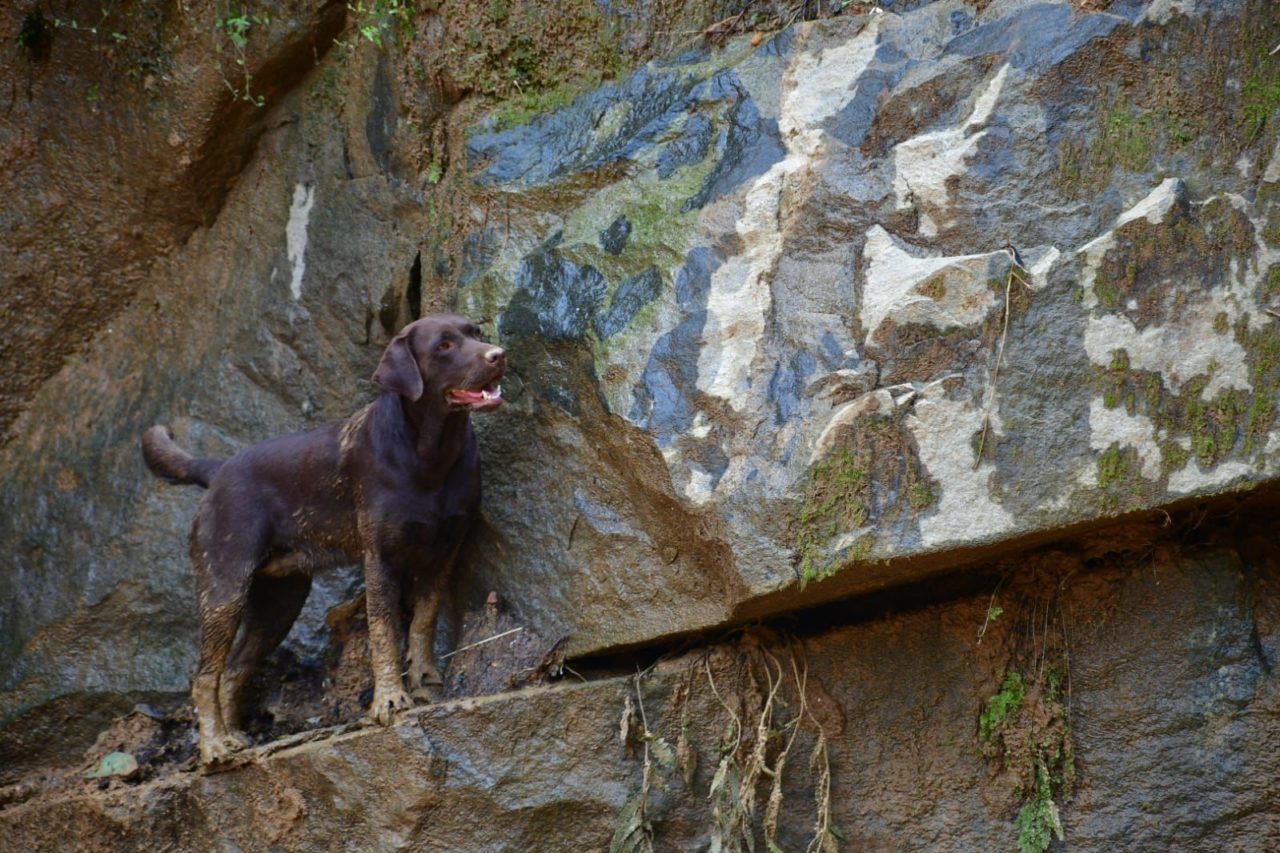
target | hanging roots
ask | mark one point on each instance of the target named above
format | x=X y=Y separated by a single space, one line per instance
x=761 y=728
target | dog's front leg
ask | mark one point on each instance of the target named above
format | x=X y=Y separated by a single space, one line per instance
x=382 y=602
x=425 y=680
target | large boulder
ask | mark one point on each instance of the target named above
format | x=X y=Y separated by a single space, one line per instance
x=858 y=302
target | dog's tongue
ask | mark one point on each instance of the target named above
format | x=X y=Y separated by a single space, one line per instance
x=480 y=398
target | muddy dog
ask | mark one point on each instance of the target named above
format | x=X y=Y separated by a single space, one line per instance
x=395 y=485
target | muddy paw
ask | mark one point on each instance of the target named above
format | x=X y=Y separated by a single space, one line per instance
x=427 y=693
x=386 y=703
x=220 y=749
x=424 y=677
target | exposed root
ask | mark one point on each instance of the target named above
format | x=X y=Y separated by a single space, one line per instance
x=766 y=711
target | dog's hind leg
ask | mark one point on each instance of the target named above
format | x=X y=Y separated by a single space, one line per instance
x=223 y=570
x=272 y=605
x=219 y=620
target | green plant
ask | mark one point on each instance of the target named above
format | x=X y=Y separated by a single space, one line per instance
x=1005 y=704
x=374 y=18
x=231 y=33
x=1038 y=819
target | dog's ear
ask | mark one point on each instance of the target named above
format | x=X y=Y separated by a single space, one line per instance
x=398 y=371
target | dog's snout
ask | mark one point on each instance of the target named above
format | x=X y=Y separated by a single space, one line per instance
x=497 y=355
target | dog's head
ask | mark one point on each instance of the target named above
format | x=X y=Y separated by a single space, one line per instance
x=441 y=361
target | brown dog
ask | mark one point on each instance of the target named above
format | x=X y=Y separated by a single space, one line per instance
x=395 y=485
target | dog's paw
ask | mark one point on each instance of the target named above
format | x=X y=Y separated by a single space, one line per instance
x=219 y=749
x=427 y=693
x=424 y=677
x=387 y=703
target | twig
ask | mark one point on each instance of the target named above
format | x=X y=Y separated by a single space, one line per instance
x=990 y=606
x=481 y=643
x=1004 y=333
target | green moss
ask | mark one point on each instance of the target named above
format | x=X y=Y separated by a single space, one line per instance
x=1000 y=708
x=1221 y=323
x=1272 y=286
x=1038 y=821
x=1175 y=456
x=837 y=495
x=526 y=106
x=920 y=496
x=1106 y=289
x=834 y=502
x=1115 y=466
x=1213 y=424
x=1126 y=139
x=1120 y=360
x=1260 y=96
x=530 y=61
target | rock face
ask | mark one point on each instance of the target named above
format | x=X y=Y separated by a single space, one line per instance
x=792 y=318
x=1167 y=704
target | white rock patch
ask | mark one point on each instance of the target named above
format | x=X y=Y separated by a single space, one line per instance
x=1181 y=350
x=814 y=88
x=924 y=163
x=295 y=234
x=893 y=273
x=1272 y=173
x=1160 y=11
x=1193 y=478
x=966 y=513
x=1107 y=426
x=1177 y=352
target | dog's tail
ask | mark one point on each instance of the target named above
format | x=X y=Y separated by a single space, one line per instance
x=170 y=462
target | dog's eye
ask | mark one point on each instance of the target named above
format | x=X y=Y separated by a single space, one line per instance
x=444 y=345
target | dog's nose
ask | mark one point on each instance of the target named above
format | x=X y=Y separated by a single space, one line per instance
x=497 y=355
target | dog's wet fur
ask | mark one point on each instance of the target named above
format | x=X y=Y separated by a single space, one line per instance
x=394 y=485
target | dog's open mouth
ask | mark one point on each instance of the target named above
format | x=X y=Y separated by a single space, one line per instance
x=478 y=399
